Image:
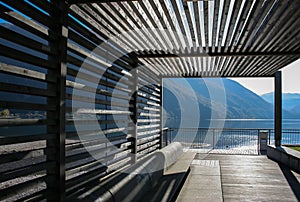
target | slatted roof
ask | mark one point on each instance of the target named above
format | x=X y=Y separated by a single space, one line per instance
x=228 y=38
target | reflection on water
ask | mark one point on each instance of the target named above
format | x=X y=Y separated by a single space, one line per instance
x=254 y=123
x=216 y=138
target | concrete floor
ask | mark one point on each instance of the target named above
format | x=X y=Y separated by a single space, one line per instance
x=216 y=177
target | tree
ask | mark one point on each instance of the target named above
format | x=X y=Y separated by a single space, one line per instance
x=5 y=112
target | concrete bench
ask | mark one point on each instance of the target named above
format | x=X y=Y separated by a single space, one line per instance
x=157 y=177
x=169 y=185
x=203 y=183
x=286 y=156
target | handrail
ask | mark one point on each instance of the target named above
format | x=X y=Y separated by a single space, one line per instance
x=289 y=136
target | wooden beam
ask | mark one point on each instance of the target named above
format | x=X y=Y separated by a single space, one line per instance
x=278 y=109
x=163 y=54
x=212 y=76
x=95 y=1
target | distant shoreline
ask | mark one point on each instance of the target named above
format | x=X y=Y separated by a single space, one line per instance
x=259 y=119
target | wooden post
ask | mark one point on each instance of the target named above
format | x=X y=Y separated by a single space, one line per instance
x=56 y=119
x=161 y=113
x=278 y=109
x=134 y=116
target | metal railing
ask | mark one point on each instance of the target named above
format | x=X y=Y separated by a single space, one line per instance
x=215 y=138
x=226 y=138
x=289 y=136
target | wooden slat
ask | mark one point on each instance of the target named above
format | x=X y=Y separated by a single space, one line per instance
x=26 y=170
x=37 y=196
x=169 y=38
x=94 y=69
x=25 y=57
x=255 y=23
x=153 y=26
x=97 y=14
x=14 y=88
x=96 y=1
x=179 y=20
x=147 y=151
x=96 y=101
x=23 y=139
x=123 y=21
x=25 y=41
x=21 y=187
x=99 y=153
x=146 y=146
x=26 y=106
x=16 y=156
x=73 y=185
x=87 y=166
x=21 y=122
x=266 y=25
x=168 y=14
x=96 y=37
x=284 y=37
x=116 y=57
x=254 y=10
x=233 y=21
x=47 y=6
x=283 y=16
x=25 y=23
x=88 y=134
x=31 y=12
x=105 y=141
x=95 y=26
x=81 y=87
x=148 y=139
x=24 y=72
x=100 y=122
x=99 y=81
x=215 y=24
x=205 y=14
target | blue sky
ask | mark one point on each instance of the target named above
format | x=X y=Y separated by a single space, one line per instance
x=290 y=81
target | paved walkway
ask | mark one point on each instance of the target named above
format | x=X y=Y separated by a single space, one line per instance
x=239 y=178
x=235 y=151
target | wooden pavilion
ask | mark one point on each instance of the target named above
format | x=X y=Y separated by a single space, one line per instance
x=107 y=59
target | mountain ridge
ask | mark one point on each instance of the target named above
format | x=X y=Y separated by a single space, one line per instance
x=290 y=101
x=238 y=102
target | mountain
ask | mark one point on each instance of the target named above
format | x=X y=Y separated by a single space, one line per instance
x=290 y=101
x=215 y=98
x=296 y=109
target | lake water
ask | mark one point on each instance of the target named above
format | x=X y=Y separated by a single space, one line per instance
x=229 y=136
x=238 y=123
x=259 y=123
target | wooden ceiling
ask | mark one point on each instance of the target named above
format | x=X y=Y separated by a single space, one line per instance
x=208 y=38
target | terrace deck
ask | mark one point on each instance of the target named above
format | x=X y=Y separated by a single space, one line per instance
x=243 y=178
